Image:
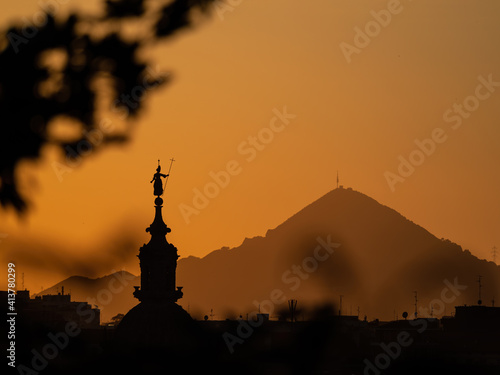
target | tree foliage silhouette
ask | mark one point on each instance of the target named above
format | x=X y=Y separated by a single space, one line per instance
x=90 y=49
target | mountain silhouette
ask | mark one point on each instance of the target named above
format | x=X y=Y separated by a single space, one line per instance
x=377 y=260
x=382 y=259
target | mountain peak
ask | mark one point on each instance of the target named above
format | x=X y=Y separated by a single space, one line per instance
x=382 y=258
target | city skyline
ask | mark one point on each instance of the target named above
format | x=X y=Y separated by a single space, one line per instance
x=356 y=114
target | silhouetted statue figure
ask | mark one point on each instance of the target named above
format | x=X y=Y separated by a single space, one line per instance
x=158 y=185
x=158 y=321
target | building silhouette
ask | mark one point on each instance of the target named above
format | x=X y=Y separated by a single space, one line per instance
x=55 y=310
x=158 y=262
x=158 y=321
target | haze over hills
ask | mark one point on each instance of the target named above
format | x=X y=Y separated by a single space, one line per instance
x=344 y=243
x=111 y=293
x=382 y=258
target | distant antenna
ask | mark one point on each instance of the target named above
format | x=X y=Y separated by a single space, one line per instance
x=22 y=281
x=292 y=305
x=494 y=253
x=479 y=301
x=340 y=307
x=416 y=304
x=337 y=178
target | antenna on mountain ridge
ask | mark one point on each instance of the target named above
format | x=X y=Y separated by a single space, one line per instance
x=494 y=253
x=479 y=301
x=416 y=303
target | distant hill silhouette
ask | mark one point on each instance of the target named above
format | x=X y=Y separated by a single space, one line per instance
x=112 y=293
x=383 y=257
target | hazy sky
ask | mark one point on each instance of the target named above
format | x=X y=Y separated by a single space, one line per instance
x=356 y=112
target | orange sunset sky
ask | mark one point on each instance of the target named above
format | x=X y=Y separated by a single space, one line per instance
x=228 y=76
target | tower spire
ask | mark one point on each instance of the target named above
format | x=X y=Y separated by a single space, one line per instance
x=158 y=258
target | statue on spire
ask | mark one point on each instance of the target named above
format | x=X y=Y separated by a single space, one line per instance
x=158 y=185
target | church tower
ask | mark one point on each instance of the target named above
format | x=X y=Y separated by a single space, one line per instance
x=157 y=321
x=158 y=259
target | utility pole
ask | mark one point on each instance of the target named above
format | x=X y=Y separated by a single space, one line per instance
x=292 y=306
x=479 y=301
x=416 y=304
x=494 y=253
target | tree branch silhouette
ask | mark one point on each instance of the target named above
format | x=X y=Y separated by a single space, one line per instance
x=92 y=54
